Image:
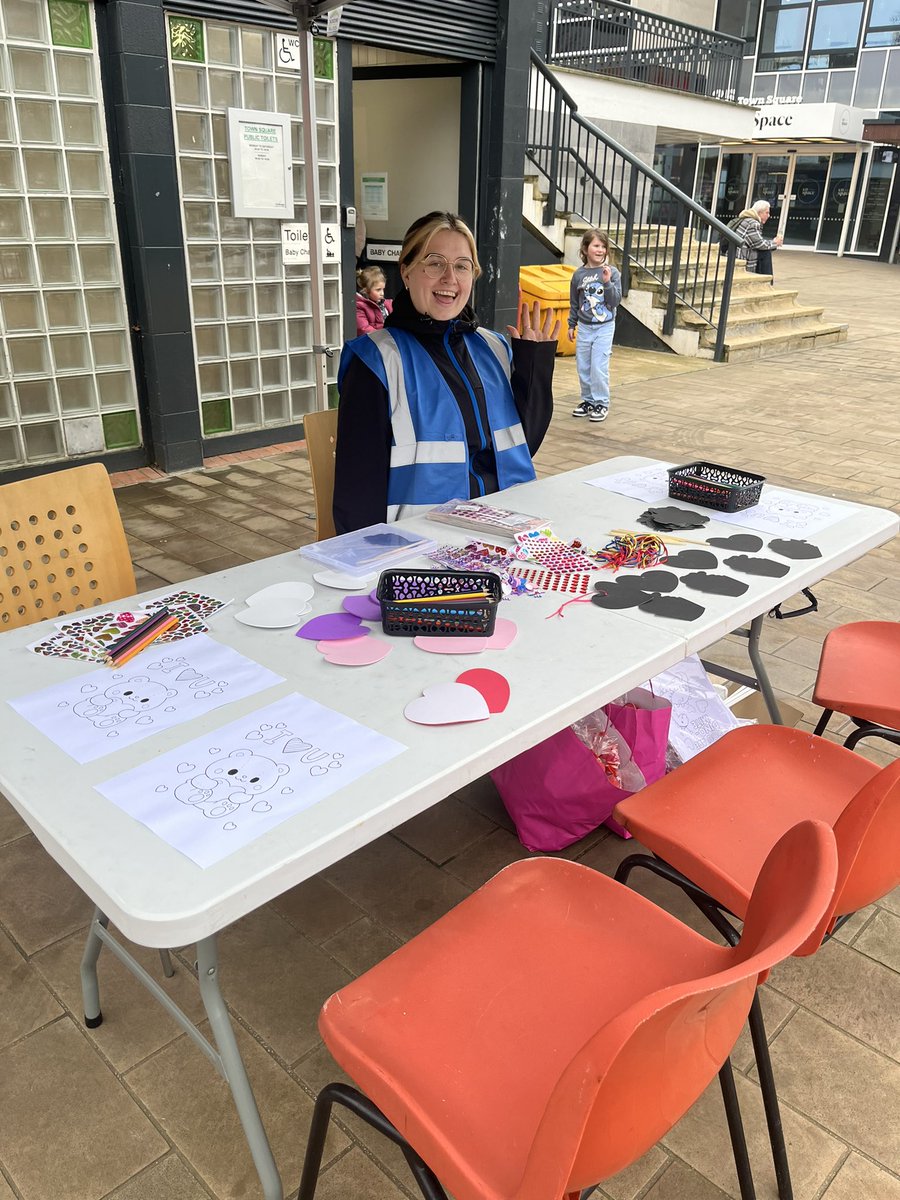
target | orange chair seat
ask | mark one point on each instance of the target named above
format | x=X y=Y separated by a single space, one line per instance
x=461 y=1035
x=859 y=672
x=781 y=775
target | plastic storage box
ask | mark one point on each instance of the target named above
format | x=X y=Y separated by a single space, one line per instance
x=549 y=285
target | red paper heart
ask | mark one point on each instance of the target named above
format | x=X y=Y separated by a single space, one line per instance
x=493 y=686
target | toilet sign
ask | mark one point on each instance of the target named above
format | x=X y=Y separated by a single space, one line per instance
x=295 y=243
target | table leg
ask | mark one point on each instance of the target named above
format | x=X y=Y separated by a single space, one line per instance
x=90 y=985
x=762 y=679
x=234 y=1071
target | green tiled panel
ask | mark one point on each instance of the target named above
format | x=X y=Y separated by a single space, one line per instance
x=216 y=416
x=120 y=430
x=70 y=23
x=323 y=59
x=186 y=39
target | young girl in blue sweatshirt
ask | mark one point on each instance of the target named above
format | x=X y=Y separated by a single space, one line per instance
x=594 y=296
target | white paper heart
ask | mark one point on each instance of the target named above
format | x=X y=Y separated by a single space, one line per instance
x=447 y=704
x=273 y=614
x=343 y=583
x=298 y=592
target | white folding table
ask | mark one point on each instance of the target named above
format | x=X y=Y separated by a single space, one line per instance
x=559 y=669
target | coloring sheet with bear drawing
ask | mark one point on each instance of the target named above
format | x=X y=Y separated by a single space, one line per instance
x=92 y=715
x=216 y=794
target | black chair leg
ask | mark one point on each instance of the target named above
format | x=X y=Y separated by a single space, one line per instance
x=736 y=1132
x=362 y=1106
x=770 y=1100
x=827 y=714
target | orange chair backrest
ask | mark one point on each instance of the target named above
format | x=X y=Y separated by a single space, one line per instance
x=320 y=431
x=868 y=840
x=62 y=546
x=639 y=1074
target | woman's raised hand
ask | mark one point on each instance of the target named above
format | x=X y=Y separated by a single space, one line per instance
x=533 y=329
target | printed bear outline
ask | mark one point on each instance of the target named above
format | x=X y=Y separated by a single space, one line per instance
x=230 y=781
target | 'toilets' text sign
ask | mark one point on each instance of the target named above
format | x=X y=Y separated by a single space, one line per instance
x=295 y=243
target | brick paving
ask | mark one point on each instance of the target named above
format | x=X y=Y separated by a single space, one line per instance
x=152 y=1122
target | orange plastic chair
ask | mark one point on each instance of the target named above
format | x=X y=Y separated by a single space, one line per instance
x=712 y=823
x=859 y=676
x=553 y=1026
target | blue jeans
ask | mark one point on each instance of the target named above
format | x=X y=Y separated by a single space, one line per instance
x=593 y=347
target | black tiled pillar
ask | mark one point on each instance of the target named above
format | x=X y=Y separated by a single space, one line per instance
x=500 y=233
x=136 y=83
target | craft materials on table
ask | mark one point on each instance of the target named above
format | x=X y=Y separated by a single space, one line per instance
x=543 y=547
x=473 y=696
x=575 y=583
x=477 y=516
x=88 y=638
x=505 y=633
x=726 y=489
x=669 y=517
x=223 y=790
x=93 y=715
x=628 y=549
x=421 y=602
x=277 y=606
x=363 y=552
x=481 y=556
x=142 y=636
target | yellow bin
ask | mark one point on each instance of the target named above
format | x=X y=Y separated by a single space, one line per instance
x=549 y=285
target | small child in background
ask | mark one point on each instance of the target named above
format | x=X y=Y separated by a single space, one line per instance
x=371 y=306
x=594 y=295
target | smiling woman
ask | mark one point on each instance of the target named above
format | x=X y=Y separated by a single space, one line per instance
x=433 y=407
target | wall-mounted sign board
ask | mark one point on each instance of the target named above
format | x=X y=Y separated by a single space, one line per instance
x=259 y=154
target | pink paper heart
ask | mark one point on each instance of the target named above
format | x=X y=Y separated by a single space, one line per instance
x=354 y=652
x=332 y=627
x=505 y=633
x=447 y=704
x=451 y=645
x=493 y=686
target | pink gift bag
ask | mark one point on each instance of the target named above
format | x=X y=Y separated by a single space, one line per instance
x=559 y=790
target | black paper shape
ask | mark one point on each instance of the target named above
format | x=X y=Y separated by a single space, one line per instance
x=692 y=560
x=673 y=607
x=716 y=585
x=737 y=541
x=612 y=595
x=794 y=548
x=746 y=565
x=385 y=539
x=650 y=581
x=669 y=518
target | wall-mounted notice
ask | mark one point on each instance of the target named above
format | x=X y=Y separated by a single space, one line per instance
x=373 y=191
x=259 y=153
x=295 y=243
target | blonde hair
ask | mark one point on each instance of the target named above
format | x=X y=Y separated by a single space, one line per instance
x=587 y=238
x=418 y=238
x=369 y=277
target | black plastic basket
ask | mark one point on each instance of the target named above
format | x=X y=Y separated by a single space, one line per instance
x=712 y=486
x=411 y=603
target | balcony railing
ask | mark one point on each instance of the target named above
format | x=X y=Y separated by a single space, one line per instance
x=608 y=38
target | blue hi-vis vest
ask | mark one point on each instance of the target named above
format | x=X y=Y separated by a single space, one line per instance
x=429 y=452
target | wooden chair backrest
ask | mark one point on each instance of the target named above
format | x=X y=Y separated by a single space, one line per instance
x=62 y=546
x=320 y=431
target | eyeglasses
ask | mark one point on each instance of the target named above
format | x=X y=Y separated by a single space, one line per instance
x=435 y=266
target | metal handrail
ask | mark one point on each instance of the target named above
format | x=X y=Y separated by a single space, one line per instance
x=605 y=184
x=611 y=38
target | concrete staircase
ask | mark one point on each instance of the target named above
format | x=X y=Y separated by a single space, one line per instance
x=762 y=319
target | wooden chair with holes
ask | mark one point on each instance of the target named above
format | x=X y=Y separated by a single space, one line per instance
x=62 y=546
x=320 y=431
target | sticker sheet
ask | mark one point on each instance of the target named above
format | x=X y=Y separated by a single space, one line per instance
x=218 y=793
x=93 y=715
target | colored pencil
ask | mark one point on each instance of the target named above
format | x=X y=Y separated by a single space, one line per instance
x=170 y=623
x=135 y=633
x=441 y=598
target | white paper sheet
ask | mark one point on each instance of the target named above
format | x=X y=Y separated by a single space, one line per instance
x=779 y=512
x=216 y=794
x=95 y=714
x=699 y=717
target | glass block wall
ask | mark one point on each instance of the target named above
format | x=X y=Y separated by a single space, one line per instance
x=251 y=313
x=66 y=375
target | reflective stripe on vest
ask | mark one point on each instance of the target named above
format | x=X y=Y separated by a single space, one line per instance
x=429 y=456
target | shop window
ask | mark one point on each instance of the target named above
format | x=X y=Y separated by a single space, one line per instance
x=739 y=20
x=840 y=87
x=764 y=89
x=891 y=95
x=815 y=87
x=884 y=24
x=869 y=74
x=783 y=37
x=788 y=85
x=835 y=35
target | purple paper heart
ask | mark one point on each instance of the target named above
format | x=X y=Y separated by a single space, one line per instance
x=363 y=607
x=373 y=595
x=332 y=627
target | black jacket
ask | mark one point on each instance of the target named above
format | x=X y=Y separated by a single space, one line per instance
x=363 y=451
